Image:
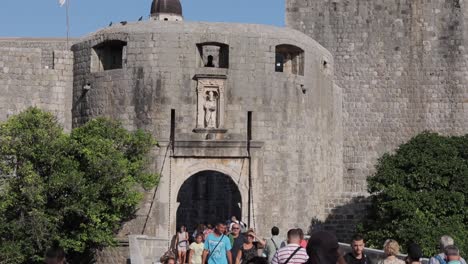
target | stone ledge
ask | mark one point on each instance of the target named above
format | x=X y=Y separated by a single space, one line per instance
x=213 y=148
x=210 y=75
x=210 y=130
x=213 y=143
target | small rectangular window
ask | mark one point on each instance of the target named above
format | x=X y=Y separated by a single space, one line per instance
x=289 y=59
x=109 y=55
x=214 y=55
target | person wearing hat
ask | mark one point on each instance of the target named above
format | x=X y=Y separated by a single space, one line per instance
x=414 y=254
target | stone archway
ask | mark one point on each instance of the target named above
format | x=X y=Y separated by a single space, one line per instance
x=207 y=197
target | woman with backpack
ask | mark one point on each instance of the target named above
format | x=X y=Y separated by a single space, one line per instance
x=182 y=241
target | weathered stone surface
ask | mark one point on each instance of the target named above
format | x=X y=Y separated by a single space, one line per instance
x=403 y=67
x=35 y=72
x=143 y=248
x=296 y=159
x=115 y=255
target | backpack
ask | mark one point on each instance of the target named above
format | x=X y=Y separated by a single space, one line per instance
x=441 y=260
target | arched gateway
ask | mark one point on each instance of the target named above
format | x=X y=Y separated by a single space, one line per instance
x=207 y=197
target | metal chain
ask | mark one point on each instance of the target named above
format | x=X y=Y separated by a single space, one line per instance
x=170 y=197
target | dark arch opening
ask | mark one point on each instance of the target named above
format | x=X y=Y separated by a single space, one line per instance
x=207 y=197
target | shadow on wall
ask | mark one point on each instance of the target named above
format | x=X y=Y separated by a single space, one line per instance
x=344 y=213
x=342 y=221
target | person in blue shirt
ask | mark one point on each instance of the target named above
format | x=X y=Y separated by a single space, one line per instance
x=217 y=247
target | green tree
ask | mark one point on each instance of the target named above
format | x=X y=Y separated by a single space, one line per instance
x=72 y=189
x=420 y=193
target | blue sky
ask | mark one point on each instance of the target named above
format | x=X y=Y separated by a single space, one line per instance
x=44 y=18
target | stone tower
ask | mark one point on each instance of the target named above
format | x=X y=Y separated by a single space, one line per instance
x=403 y=67
x=166 y=10
x=244 y=114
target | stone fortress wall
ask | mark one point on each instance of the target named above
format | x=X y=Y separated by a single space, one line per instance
x=36 y=72
x=403 y=67
x=296 y=153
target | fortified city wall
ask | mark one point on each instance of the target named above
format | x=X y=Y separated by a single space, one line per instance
x=296 y=153
x=403 y=67
x=36 y=72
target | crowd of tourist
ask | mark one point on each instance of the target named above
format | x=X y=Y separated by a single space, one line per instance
x=233 y=243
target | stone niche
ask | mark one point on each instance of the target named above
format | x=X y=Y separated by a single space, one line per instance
x=211 y=104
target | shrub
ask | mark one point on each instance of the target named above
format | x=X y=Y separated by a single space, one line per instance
x=420 y=193
x=73 y=189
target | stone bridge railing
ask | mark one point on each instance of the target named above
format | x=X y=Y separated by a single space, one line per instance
x=375 y=254
x=146 y=250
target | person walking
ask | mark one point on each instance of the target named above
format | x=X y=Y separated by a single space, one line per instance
x=217 y=248
x=323 y=248
x=237 y=240
x=241 y=224
x=292 y=253
x=414 y=254
x=169 y=260
x=249 y=249
x=208 y=230
x=182 y=240
x=452 y=254
x=199 y=231
x=196 y=250
x=272 y=244
x=444 y=242
x=357 y=256
x=303 y=241
x=391 y=250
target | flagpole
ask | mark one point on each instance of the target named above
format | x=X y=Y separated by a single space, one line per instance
x=68 y=22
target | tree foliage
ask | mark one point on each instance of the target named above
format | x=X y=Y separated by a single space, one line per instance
x=420 y=193
x=72 y=189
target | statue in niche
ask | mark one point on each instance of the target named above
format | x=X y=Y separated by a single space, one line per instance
x=211 y=108
x=210 y=62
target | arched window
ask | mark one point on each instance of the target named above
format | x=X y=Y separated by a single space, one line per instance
x=289 y=59
x=214 y=55
x=109 y=55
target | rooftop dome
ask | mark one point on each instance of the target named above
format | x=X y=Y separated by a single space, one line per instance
x=172 y=7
